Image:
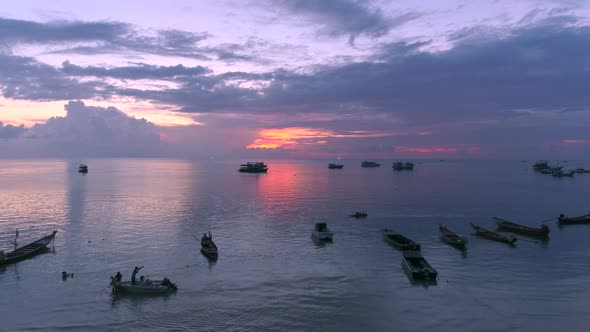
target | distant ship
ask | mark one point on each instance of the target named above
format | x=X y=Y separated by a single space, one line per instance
x=253 y=167
x=370 y=164
x=398 y=166
x=335 y=166
x=83 y=168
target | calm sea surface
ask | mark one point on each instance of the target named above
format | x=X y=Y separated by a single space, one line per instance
x=270 y=275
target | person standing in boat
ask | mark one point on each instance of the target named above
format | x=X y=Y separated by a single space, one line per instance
x=118 y=276
x=135 y=270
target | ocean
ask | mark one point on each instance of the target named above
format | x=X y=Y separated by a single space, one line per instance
x=270 y=274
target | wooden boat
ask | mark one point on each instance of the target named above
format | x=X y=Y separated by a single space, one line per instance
x=143 y=286
x=335 y=166
x=563 y=220
x=506 y=225
x=83 y=168
x=322 y=232
x=27 y=251
x=208 y=247
x=417 y=267
x=451 y=238
x=399 y=241
x=493 y=235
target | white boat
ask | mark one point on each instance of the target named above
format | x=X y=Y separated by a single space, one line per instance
x=143 y=286
x=322 y=232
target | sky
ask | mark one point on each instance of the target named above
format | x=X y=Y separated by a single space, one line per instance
x=293 y=79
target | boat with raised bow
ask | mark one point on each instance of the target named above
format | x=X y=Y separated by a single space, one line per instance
x=449 y=237
x=208 y=247
x=399 y=241
x=26 y=251
x=505 y=225
x=563 y=220
x=480 y=231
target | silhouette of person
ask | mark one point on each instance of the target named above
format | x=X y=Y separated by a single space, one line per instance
x=135 y=270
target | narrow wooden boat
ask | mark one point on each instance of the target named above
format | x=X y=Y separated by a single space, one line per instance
x=322 y=232
x=451 y=238
x=27 y=251
x=480 y=231
x=563 y=220
x=399 y=241
x=208 y=247
x=417 y=267
x=506 y=225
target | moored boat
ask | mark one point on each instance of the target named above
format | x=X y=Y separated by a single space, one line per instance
x=208 y=247
x=399 y=241
x=417 y=267
x=83 y=168
x=542 y=231
x=335 y=166
x=370 y=164
x=322 y=232
x=563 y=220
x=582 y=170
x=541 y=165
x=451 y=238
x=359 y=214
x=399 y=166
x=480 y=231
x=253 y=167
x=26 y=251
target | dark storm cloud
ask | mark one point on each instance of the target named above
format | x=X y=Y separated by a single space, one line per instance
x=137 y=71
x=27 y=78
x=347 y=17
x=10 y=131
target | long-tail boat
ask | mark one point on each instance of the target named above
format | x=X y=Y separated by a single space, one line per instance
x=480 y=231
x=563 y=220
x=506 y=225
x=447 y=236
x=27 y=251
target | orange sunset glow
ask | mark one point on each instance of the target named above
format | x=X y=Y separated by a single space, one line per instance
x=290 y=137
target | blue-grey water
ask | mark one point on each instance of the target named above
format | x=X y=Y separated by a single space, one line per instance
x=270 y=275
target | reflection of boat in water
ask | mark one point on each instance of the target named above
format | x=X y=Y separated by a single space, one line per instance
x=559 y=173
x=451 y=238
x=400 y=241
x=506 y=225
x=417 y=267
x=253 y=167
x=83 y=168
x=322 y=232
x=370 y=164
x=208 y=247
x=480 y=231
x=335 y=166
x=27 y=251
x=399 y=166
x=563 y=220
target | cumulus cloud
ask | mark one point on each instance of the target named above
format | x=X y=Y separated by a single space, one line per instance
x=96 y=131
x=10 y=131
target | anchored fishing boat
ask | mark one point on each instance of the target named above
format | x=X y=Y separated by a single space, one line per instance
x=370 y=164
x=208 y=247
x=563 y=220
x=253 y=167
x=417 y=267
x=83 y=168
x=399 y=166
x=480 y=231
x=399 y=241
x=506 y=225
x=322 y=232
x=27 y=251
x=335 y=166
x=359 y=215
x=451 y=238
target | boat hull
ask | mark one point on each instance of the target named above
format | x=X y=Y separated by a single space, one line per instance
x=29 y=250
x=417 y=267
x=451 y=238
x=401 y=242
x=506 y=225
x=323 y=236
x=487 y=234
x=147 y=288
x=574 y=220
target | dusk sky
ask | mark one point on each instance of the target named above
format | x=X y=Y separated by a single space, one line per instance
x=296 y=79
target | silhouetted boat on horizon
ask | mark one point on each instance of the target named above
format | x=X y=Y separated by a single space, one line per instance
x=370 y=164
x=253 y=167
x=335 y=166
x=83 y=168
